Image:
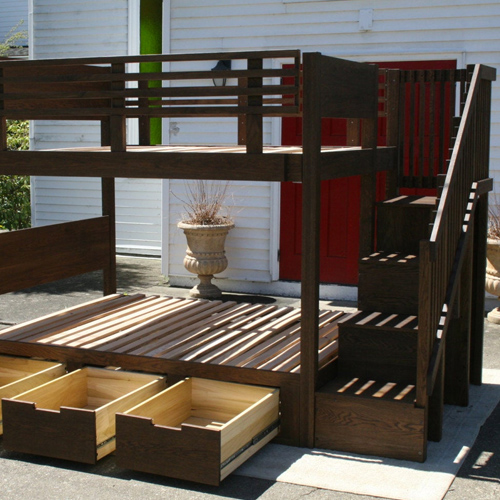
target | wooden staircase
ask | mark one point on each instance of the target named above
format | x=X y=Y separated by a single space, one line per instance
x=416 y=340
x=370 y=408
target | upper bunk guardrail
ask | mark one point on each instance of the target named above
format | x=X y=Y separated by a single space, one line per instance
x=100 y=87
x=429 y=100
x=442 y=256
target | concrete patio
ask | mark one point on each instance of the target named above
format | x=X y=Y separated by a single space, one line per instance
x=42 y=478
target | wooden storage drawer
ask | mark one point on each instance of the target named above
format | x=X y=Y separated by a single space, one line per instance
x=18 y=375
x=73 y=417
x=200 y=430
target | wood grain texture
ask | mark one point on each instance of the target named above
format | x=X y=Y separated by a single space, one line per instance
x=370 y=427
x=68 y=434
x=191 y=453
x=388 y=282
x=311 y=187
x=394 y=234
x=226 y=341
x=382 y=352
x=348 y=89
x=193 y=429
x=40 y=255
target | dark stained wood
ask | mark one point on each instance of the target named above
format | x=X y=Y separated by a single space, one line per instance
x=394 y=233
x=56 y=89
x=118 y=128
x=392 y=113
x=353 y=132
x=348 y=89
x=278 y=166
x=203 y=56
x=144 y=122
x=478 y=283
x=345 y=163
x=311 y=186
x=136 y=334
x=368 y=187
x=69 y=434
x=457 y=349
x=189 y=453
x=253 y=127
x=436 y=405
x=222 y=166
x=371 y=426
x=39 y=255
x=108 y=210
x=379 y=348
x=388 y=282
x=425 y=327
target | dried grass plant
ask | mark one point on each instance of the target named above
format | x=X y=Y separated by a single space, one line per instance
x=205 y=203
x=494 y=222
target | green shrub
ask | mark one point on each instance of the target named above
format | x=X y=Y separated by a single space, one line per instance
x=15 y=206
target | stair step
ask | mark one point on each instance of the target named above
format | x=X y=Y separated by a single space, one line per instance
x=379 y=345
x=403 y=221
x=388 y=282
x=369 y=388
x=370 y=417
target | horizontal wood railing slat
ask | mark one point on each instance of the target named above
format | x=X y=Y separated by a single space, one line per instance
x=151 y=93
x=202 y=56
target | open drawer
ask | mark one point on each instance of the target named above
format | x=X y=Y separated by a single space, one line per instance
x=18 y=375
x=73 y=417
x=198 y=429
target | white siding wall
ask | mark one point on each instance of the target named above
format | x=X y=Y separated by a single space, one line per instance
x=11 y=13
x=465 y=30
x=79 y=29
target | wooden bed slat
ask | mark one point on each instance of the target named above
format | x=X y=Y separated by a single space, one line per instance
x=163 y=347
x=147 y=333
x=57 y=320
x=106 y=318
x=263 y=337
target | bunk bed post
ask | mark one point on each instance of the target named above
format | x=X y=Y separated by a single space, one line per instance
x=108 y=208
x=478 y=283
x=480 y=230
x=368 y=189
x=311 y=191
x=253 y=126
x=392 y=126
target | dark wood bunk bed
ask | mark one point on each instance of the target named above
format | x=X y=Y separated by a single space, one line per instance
x=293 y=350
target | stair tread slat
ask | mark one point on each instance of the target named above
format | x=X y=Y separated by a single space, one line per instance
x=376 y=319
x=371 y=389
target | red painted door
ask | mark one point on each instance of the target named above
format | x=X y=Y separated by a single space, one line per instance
x=339 y=244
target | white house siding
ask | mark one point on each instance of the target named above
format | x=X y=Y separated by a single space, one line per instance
x=11 y=13
x=465 y=30
x=79 y=29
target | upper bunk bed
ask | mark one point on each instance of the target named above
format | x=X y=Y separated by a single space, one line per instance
x=258 y=85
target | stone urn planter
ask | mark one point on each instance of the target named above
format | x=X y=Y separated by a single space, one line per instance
x=492 y=284
x=205 y=255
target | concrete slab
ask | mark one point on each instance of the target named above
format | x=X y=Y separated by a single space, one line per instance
x=24 y=476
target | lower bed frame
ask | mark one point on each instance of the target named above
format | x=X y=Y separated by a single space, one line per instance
x=236 y=342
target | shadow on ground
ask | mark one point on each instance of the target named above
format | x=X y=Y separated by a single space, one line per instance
x=130 y=276
x=238 y=487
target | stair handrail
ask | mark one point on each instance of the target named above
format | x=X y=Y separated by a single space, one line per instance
x=442 y=256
